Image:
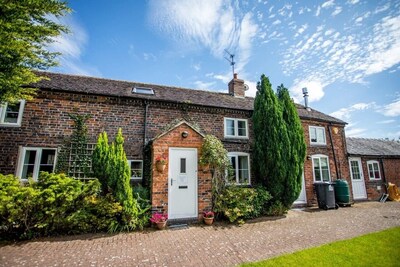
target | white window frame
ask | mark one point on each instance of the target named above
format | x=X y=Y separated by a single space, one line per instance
x=236 y=156
x=38 y=150
x=3 y=111
x=319 y=156
x=135 y=178
x=318 y=142
x=236 y=128
x=371 y=162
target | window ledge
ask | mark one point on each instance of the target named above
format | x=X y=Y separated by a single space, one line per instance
x=318 y=144
x=12 y=125
x=235 y=140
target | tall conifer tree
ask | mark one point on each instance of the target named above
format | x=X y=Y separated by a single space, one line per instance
x=295 y=152
x=270 y=139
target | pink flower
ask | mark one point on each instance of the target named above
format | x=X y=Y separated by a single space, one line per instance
x=208 y=214
x=158 y=217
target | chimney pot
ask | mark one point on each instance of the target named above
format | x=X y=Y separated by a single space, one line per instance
x=235 y=76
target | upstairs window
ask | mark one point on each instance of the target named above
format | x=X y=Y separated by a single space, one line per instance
x=240 y=163
x=236 y=128
x=321 y=168
x=34 y=160
x=136 y=169
x=373 y=170
x=143 y=90
x=11 y=114
x=317 y=135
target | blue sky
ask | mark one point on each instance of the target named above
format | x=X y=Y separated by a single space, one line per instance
x=347 y=53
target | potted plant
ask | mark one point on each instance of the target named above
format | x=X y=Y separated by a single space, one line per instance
x=161 y=162
x=208 y=217
x=159 y=219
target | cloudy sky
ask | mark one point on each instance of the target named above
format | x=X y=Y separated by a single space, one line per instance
x=347 y=53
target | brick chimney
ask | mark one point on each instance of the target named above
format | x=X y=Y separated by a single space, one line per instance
x=236 y=86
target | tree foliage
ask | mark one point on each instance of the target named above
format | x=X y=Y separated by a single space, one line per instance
x=26 y=30
x=100 y=161
x=111 y=165
x=270 y=140
x=295 y=151
x=215 y=156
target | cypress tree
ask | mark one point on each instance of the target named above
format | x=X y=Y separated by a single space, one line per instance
x=270 y=140
x=119 y=177
x=295 y=152
x=100 y=160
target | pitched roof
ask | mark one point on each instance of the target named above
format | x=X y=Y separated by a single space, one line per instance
x=372 y=147
x=108 y=87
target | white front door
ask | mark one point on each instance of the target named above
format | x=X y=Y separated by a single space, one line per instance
x=302 y=197
x=182 y=183
x=357 y=179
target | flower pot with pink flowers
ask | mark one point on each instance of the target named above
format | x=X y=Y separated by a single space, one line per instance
x=159 y=219
x=208 y=217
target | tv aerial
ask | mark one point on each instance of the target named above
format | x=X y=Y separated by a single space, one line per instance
x=230 y=60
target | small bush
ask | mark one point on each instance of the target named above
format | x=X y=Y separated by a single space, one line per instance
x=236 y=203
x=276 y=209
x=260 y=202
x=56 y=204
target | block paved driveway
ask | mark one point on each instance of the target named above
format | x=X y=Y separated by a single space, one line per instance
x=220 y=245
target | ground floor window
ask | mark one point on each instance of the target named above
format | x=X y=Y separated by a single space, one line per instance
x=240 y=163
x=136 y=169
x=321 y=168
x=373 y=169
x=34 y=160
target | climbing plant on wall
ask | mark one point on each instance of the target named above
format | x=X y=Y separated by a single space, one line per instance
x=75 y=155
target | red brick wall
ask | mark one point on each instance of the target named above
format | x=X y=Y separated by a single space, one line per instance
x=392 y=170
x=159 y=186
x=391 y=173
x=46 y=123
x=340 y=153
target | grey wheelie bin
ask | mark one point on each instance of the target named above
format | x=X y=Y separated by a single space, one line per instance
x=325 y=195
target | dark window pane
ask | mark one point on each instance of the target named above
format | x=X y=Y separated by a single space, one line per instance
x=12 y=112
x=183 y=165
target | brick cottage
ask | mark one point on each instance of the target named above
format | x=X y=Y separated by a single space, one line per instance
x=172 y=122
x=374 y=163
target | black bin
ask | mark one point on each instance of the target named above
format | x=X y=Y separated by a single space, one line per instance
x=326 y=195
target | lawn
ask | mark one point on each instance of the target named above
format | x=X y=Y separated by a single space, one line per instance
x=376 y=249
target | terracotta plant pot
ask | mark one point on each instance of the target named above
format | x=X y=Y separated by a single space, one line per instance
x=209 y=221
x=161 y=225
x=160 y=166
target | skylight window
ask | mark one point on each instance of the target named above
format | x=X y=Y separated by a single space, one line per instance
x=143 y=90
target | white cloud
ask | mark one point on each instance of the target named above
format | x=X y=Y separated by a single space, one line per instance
x=276 y=22
x=345 y=56
x=353 y=2
x=386 y=121
x=337 y=11
x=252 y=88
x=314 y=86
x=345 y=113
x=149 y=56
x=213 y=24
x=392 y=109
x=196 y=67
x=328 y=4
x=203 y=85
x=318 y=11
x=355 y=132
x=71 y=47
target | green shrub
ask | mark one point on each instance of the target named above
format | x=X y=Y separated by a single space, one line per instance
x=236 y=203
x=56 y=204
x=276 y=209
x=260 y=202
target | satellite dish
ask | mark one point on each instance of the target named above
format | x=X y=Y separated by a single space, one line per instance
x=246 y=87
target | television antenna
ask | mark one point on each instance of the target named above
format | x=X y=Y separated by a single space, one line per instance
x=230 y=59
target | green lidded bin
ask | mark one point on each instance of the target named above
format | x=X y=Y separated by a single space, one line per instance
x=342 y=192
